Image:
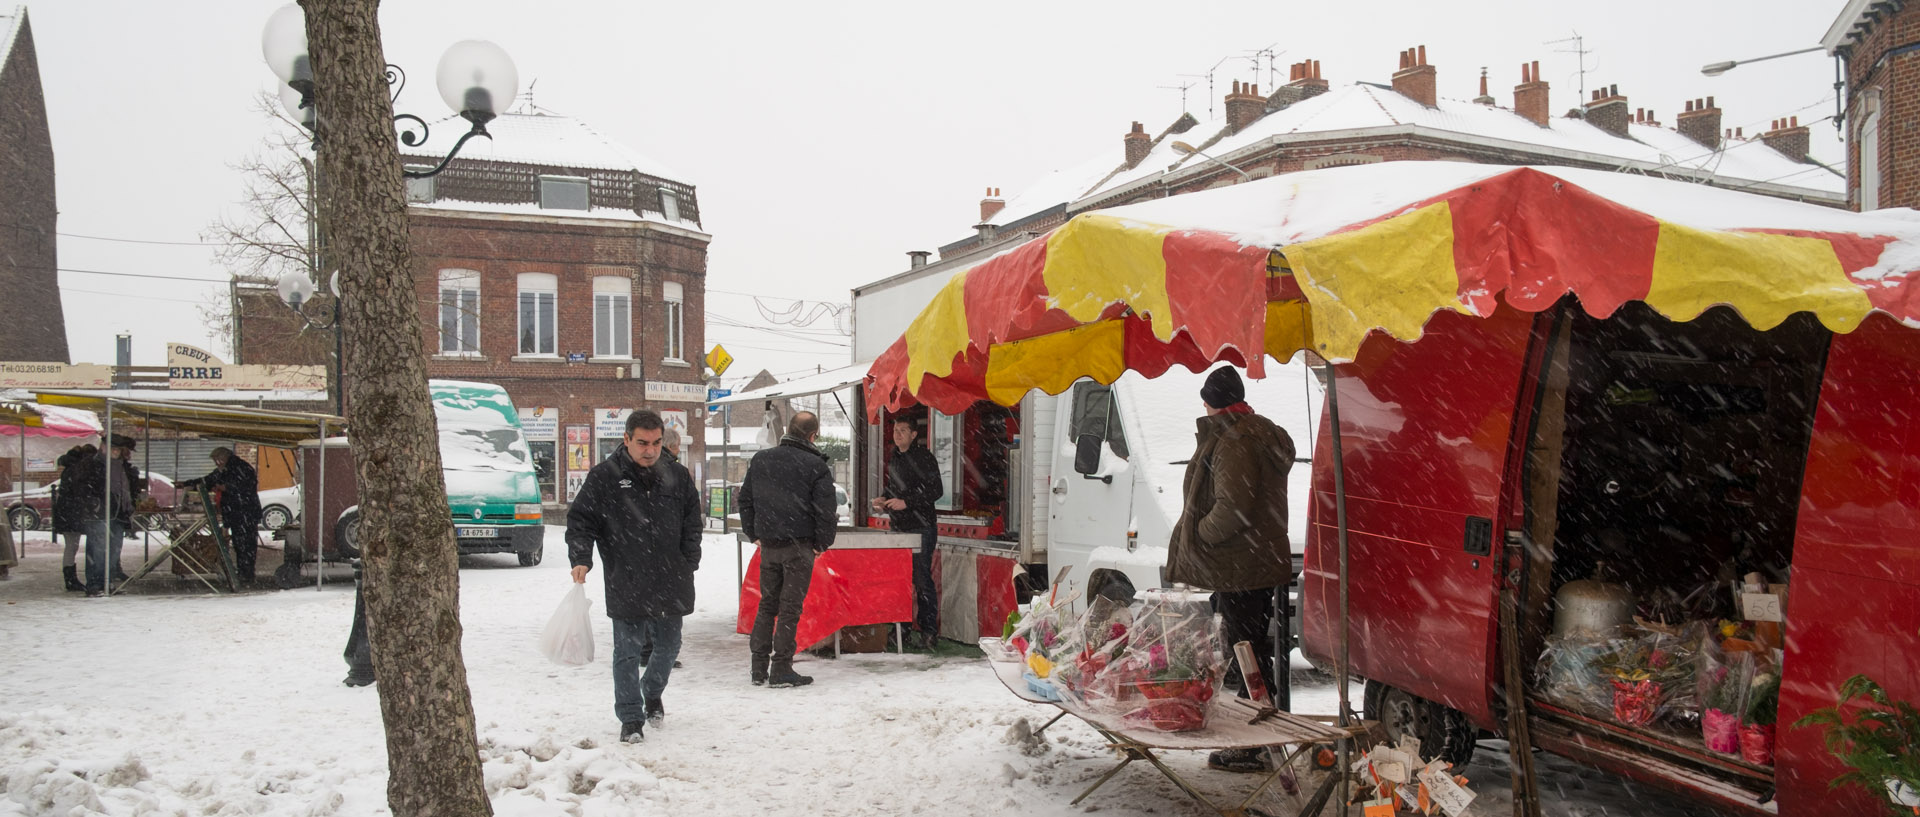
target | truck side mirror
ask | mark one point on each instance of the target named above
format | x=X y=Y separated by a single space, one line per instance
x=1086 y=456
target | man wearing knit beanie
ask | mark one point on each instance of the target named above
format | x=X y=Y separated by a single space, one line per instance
x=1232 y=534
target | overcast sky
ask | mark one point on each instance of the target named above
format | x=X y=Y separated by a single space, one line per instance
x=826 y=139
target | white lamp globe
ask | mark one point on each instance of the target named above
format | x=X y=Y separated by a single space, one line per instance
x=283 y=44
x=290 y=98
x=296 y=288
x=477 y=79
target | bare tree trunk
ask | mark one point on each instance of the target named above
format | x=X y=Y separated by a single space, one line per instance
x=412 y=569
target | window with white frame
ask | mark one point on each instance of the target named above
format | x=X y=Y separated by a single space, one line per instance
x=669 y=204
x=674 y=323
x=612 y=316
x=538 y=294
x=1868 y=143
x=459 y=312
x=564 y=193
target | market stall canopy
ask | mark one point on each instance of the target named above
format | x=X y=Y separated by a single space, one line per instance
x=820 y=383
x=260 y=426
x=1321 y=259
x=45 y=421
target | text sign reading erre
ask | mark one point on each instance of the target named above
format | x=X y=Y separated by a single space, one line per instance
x=190 y=367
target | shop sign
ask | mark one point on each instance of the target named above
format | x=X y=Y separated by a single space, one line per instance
x=676 y=392
x=575 y=479
x=190 y=367
x=33 y=375
x=718 y=360
x=610 y=422
x=540 y=422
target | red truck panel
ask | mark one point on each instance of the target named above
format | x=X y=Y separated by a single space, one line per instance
x=1425 y=428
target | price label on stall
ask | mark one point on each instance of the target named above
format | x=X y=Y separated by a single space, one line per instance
x=1451 y=798
x=1761 y=607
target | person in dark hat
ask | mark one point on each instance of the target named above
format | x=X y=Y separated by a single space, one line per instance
x=1232 y=534
x=238 y=489
x=97 y=482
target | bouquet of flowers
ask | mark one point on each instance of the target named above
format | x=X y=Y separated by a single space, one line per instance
x=1644 y=670
x=1723 y=680
x=1757 y=723
x=1168 y=671
x=1041 y=638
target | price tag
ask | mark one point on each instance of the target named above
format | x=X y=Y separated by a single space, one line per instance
x=1449 y=795
x=1392 y=770
x=1410 y=746
x=1382 y=807
x=1761 y=607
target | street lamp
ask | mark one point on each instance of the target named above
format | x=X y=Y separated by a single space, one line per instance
x=1184 y=149
x=476 y=78
x=1714 y=69
x=296 y=289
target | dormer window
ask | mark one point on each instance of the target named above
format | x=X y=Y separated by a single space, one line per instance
x=669 y=204
x=421 y=190
x=563 y=193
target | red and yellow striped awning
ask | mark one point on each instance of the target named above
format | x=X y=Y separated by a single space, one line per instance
x=1320 y=260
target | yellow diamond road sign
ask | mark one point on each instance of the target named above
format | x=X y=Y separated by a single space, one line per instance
x=718 y=360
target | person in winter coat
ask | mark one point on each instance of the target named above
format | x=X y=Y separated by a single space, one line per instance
x=669 y=453
x=94 y=481
x=238 y=488
x=644 y=516
x=912 y=485
x=67 y=522
x=787 y=509
x=1232 y=534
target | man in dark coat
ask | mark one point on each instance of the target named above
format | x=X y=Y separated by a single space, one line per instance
x=787 y=509
x=912 y=486
x=1232 y=534
x=237 y=487
x=669 y=453
x=67 y=519
x=96 y=478
x=644 y=515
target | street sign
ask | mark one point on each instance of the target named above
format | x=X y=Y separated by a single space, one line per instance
x=718 y=360
x=715 y=394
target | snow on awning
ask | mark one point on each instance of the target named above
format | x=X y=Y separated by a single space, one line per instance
x=251 y=425
x=821 y=383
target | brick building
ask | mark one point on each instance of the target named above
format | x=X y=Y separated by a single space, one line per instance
x=561 y=266
x=32 y=327
x=1876 y=40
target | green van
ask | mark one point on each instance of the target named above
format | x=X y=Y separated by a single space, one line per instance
x=491 y=487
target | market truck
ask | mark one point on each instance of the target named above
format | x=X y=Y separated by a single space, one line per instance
x=493 y=495
x=1654 y=461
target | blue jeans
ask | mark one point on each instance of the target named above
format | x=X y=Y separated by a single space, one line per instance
x=103 y=547
x=631 y=688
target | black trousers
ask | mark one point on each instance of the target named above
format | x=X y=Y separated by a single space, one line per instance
x=1245 y=616
x=926 y=592
x=786 y=571
x=245 y=541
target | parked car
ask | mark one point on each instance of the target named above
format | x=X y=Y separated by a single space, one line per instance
x=840 y=505
x=33 y=510
x=279 y=507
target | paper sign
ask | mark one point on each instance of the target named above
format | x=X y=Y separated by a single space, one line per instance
x=1761 y=607
x=1410 y=746
x=1449 y=795
x=1389 y=764
x=1382 y=807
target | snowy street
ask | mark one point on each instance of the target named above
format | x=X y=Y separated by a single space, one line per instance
x=193 y=704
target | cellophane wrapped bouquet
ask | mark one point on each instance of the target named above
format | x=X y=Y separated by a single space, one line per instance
x=1160 y=671
x=1045 y=637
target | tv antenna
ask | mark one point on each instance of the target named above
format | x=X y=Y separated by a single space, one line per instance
x=1580 y=49
x=1273 y=76
x=1182 y=88
x=1212 y=98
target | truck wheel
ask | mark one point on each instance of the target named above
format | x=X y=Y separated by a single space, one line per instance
x=275 y=517
x=531 y=557
x=1444 y=733
x=346 y=535
x=23 y=517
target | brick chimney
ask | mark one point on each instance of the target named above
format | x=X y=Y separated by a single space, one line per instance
x=1245 y=106
x=1608 y=111
x=1530 y=96
x=1415 y=79
x=991 y=205
x=1304 y=83
x=1138 y=144
x=1701 y=122
x=1484 y=98
x=1789 y=137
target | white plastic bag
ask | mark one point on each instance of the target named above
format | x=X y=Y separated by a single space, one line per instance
x=568 y=637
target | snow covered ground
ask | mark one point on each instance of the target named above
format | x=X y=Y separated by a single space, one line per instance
x=197 y=705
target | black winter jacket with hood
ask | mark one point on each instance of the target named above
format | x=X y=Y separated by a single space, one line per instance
x=647 y=524
x=787 y=497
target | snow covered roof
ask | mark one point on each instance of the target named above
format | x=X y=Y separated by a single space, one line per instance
x=10 y=27
x=542 y=138
x=530 y=208
x=1362 y=109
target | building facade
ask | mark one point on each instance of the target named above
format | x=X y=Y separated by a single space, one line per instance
x=1878 y=43
x=32 y=325
x=560 y=266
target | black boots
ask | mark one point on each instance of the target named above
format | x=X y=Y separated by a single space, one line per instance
x=656 y=711
x=633 y=731
x=759 y=670
x=73 y=579
x=783 y=676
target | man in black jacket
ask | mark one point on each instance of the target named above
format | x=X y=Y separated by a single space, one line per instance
x=913 y=484
x=237 y=488
x=787 y=509
x=644 y=515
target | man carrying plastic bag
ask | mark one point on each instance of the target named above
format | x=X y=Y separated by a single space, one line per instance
x=568 y=637
x=644 y=514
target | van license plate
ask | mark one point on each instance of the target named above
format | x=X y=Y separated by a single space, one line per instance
x=468 y=532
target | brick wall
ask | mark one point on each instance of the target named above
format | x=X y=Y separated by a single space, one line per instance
x=32 y=326
x=1896 y=84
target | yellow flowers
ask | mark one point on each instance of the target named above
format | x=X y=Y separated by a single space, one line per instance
x=1039 y=664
